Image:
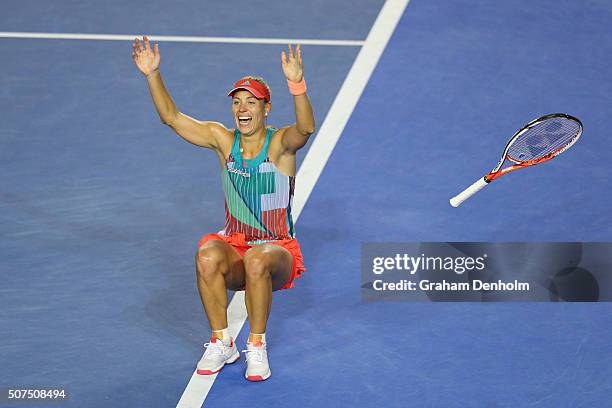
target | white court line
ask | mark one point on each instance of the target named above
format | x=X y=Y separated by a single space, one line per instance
x=175 y=38
x=315 y=160
x=346 y=100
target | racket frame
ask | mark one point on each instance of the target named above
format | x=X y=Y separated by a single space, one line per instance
x=496 y=172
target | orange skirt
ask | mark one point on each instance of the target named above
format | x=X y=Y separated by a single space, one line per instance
x=239 y=243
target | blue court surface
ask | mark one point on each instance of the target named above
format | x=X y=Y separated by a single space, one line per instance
x=101 y=206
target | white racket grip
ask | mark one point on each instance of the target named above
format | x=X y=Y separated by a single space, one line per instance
x=468 y=192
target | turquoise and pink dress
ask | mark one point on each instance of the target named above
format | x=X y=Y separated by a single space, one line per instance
x=258 y=200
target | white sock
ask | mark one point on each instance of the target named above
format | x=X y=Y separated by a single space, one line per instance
x=224 y=334
x=262 y=336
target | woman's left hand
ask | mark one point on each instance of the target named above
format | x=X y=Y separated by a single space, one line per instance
x=292 y=65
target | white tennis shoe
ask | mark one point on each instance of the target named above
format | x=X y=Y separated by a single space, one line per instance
x=258 y=368
x=218 y=353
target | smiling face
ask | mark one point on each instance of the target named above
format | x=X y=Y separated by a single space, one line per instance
x=249 y=112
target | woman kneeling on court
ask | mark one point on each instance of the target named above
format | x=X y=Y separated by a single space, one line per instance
x=256 y=251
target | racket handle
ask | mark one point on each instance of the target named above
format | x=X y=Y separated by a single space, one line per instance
x=468 y=192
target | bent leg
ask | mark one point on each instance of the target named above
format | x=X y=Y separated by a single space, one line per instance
x=267 y=268
x=218 y=268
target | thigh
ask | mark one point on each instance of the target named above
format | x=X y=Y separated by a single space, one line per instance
x=278 y=259
x=233 y=270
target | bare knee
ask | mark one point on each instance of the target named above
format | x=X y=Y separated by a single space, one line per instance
x=258 y=263
x=211 y=261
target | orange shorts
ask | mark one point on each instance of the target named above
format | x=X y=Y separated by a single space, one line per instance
x=238 y=241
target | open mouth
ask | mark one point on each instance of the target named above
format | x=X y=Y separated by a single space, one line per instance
x=244 y=120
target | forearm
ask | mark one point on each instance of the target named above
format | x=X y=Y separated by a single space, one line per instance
x=304 y=117
x=161 y=98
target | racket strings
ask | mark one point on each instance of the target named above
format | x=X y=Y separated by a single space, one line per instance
x=543 y=138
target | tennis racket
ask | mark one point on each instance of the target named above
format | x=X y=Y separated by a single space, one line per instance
x=538 y=141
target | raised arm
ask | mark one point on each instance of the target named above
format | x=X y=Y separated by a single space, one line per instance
x=205 y=134
x=296 y=135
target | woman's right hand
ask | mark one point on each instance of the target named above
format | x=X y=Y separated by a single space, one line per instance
x=145 y=57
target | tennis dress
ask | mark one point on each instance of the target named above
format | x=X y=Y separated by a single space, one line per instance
x=258 y=197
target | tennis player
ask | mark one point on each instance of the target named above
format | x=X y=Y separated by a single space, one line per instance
x=256 y=250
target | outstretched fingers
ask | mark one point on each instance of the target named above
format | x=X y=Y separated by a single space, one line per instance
x=292 y=63
x=144 y=46
x=294 y=56
x=139 y=46
x=146 y=43
x=284 y=58
x=298 y=52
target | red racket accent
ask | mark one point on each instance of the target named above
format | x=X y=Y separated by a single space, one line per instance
x=493 y=175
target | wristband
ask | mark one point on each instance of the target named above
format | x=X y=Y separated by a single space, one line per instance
x=297 y=88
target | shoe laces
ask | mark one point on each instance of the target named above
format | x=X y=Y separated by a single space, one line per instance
x=214 y=347
x=254 y=353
